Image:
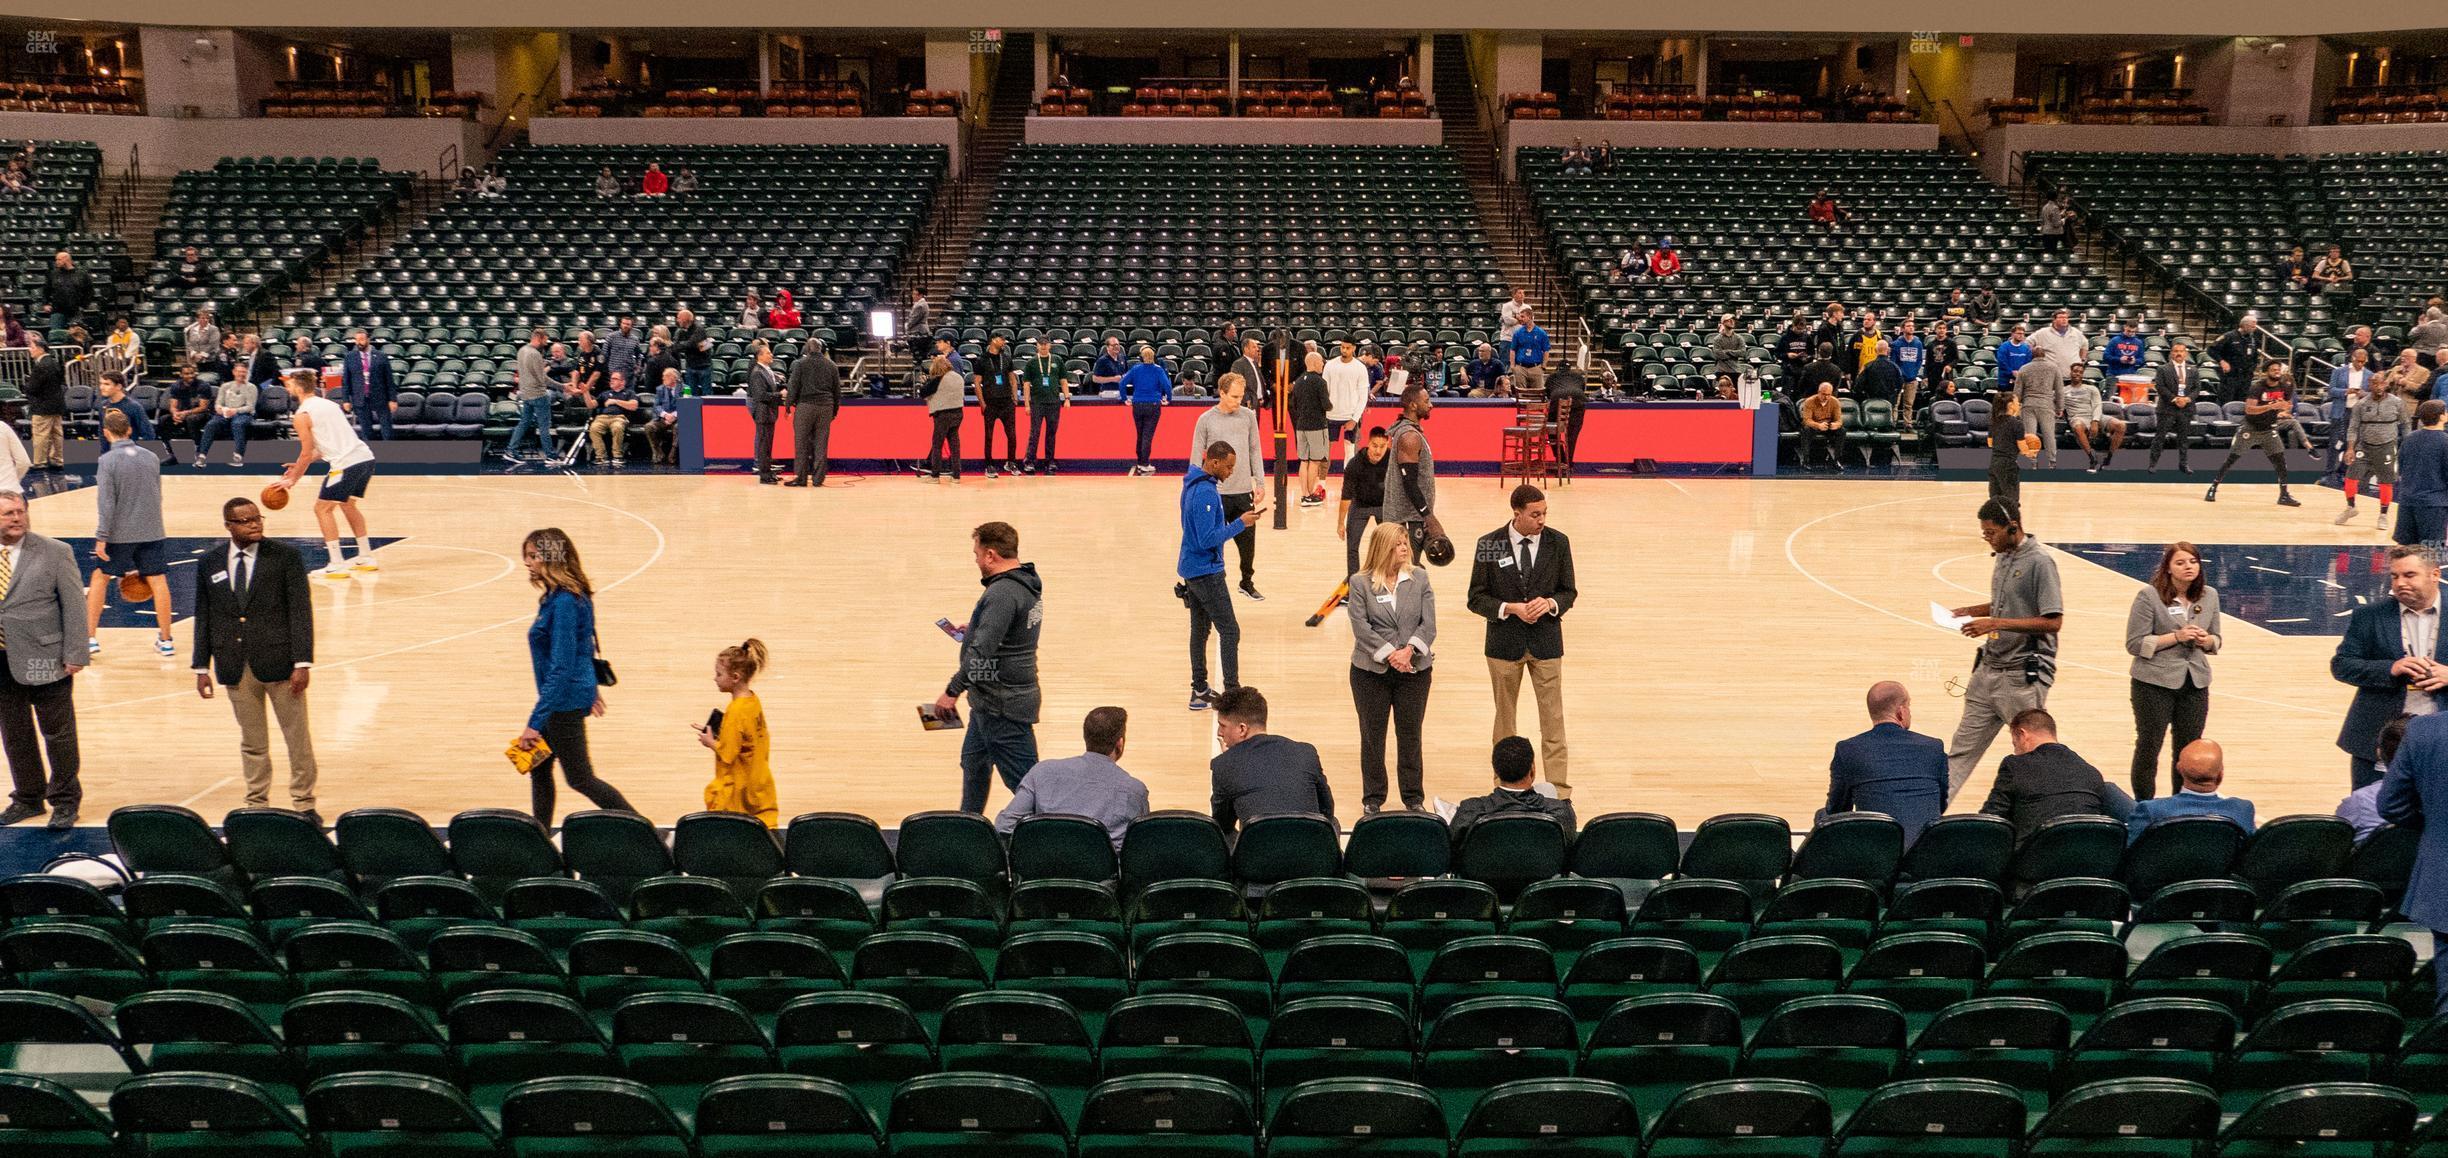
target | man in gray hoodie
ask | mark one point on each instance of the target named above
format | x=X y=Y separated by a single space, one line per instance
x=998 y=666
x=1230 y=422
x=127 y=527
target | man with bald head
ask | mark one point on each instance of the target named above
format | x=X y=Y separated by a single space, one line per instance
x=2200 y=770
x=1890 y=768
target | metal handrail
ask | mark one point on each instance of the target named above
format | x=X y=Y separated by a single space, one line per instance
x=502 y=127
x=446 y=162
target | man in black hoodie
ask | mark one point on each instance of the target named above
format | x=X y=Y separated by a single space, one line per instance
x=1516 y=773
x=998 y=667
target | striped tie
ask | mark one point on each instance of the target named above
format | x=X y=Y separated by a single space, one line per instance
x=7 y=577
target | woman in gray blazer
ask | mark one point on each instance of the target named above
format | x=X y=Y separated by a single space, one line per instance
x=2172 y=632
x=1393 y=619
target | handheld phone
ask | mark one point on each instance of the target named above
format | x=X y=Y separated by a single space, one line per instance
x=945 y=625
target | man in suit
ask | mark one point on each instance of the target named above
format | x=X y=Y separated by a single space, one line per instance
x=2044 y=780
x=1516 y=791
x=46 y=391
x=764 y=409
x=365 y=381
x=1522 y=584
x=813 y=393
x=254 y=635
x=2200 y=769
x=1247 y=366
x=2417 y=780
x=1258 y=774
x=2390 y=656
x=1890 y=768
x=2176 y=385
x=42 y=646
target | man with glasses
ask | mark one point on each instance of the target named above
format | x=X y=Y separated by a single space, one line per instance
x=254 y=635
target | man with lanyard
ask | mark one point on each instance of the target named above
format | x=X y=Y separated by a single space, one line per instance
x=997 y=404
x=1410 y=481
x=2017 y=662
x=1044 y=395
x=1529 y=363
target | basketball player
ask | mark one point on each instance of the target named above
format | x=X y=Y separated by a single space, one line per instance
x=2017 y=660
x=1410 y=481
x=127 y=529
x=323 y=432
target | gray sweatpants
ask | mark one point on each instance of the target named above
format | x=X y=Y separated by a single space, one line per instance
x=2042 y=420
x=1994 y=696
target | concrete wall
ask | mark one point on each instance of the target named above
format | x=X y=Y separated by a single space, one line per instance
x=944 y=131
x=1516 y=135
x=1230 y=131
x=947 y=61
x=170 y=144
x=1964 y=77
x=191 y=69
x=1519 y=57
x=2002 y=145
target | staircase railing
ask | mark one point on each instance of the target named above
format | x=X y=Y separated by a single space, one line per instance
x=446 y=162
x=501 y=128
x=1938 y=110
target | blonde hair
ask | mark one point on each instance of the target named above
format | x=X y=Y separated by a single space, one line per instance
x=1377 y=561
x=557 y=563
x=743 y=659
x=1230 y=382
x=940 y=367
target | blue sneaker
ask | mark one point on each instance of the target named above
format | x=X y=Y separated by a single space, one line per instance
x=164 y=646
x=1201 y=699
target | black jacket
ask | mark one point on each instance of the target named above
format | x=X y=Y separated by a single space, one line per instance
x=2043 y=784
x=46 y=388
x=1267 y=776
x=1880 y=381
x=690 y=341
x=764 y=393
x=2373 y=643
x=1496 y=580
x=2242 y=354
x=67 y=292
x=1254 y=381
x=814 y=381
x=999 y=651
x=1479 y=808
x=2165 y=387
x=271 y=632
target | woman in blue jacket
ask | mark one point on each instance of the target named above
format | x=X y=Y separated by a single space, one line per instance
x=561 y=646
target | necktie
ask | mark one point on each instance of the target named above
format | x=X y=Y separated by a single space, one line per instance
x=246 y=574
x=8 y=577
x=1523 y=550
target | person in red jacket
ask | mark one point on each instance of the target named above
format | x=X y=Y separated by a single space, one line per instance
x=1664 y=262
x=657 y=182
x=785 y=313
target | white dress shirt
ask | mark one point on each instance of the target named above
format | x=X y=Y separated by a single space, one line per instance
x=241 y=561
x=1515 y=539
x=2421 y=632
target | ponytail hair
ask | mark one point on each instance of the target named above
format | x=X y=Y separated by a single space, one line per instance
x=744 y=660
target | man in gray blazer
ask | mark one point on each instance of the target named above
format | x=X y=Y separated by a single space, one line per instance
x=42 y=644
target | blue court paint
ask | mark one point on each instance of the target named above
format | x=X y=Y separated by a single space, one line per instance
x=184 y=556
x=2294 y=589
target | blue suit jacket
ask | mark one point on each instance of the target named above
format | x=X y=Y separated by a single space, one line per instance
x=2150 y=812
x=2418 y=781
x=363 y=389
x=1890 y=769
x=2422 y=469
x=2372 y=644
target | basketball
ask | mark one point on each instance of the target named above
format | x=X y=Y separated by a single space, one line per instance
x=274 y=497
x=134 y=589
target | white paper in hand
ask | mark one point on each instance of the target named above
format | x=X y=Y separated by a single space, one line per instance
x=1945 y=617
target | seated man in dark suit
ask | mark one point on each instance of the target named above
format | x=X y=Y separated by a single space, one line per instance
x=1258 y=774
x=1890 y=768
x=2200 y=769
x=1516 y=791
x=2044 y=780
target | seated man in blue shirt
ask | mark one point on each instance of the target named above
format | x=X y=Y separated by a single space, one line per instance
x=1091 y=784
x=2122 y=355
x=1486 y=373
x=1890 y=768
x=2361 y=808
x=662 y=430
x=2200 y=769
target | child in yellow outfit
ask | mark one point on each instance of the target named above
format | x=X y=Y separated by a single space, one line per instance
x=743 y=780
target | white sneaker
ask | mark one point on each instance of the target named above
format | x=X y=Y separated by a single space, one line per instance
x=2344 y=517
x=93 y=646
x=238 y=461
x=337 y=573
x=164 y=646
x=365 y=563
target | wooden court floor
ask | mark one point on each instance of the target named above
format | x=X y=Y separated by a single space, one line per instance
x=1725 y=634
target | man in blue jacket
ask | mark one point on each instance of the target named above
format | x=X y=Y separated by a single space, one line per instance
x=2122 y=355
x=1890 y=768
x=2422 y=478
x=2200 y=769
x=2390 y=656
x=2417 y=780
x=1205 y=530
x=1146 y=386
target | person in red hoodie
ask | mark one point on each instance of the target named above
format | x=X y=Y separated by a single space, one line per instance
x=657 y=182
x=785 y=313
x=1664 y=262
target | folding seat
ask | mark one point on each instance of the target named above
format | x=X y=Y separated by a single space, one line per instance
x=166 y=899
x=493 y=847
x=1711 y=916
x=1573 y=1117
x=482 y=958
x=2183 y=848
x=2067 y=905
x=1484 y=1041
x=608 y=967
x=2310 y=1041
x=164 y=838
x=1352 y=1115
x=2313 y=910
x=40 y=1118
x=1746 y=1118
x=1860 y=846
x=760 y=1115
x=1170 y=846
x=1185 y=905
x=950 y=906
x=562 y=1117
x=924 y=970
x=764 y=971
x=1177 y=1034
x=78 y=961
x=677 y=1043
x=1054 y=846
x=1391 y=846
x=1065 y=905
x=696 y=912
x=2011 y=1040
x=203 y=1116
x=275 y=842
x=1486 y=966
x=284 y=905
x=2165 y=1037
x=1759 y=975
x=828 y=910
x=37 y=899
x=1424 y=915
x=340 y=1033
x=1840 y=909
x=1170 y=1114
x=1921 y=973
x=2227 y=968
x=1845 y=1044
x=1273 y=849
x=1963 y=1117
x=1966 y=906
x=417 y=908
x=2189 y=909
x=189 y=1031
x=501 y=1039
x=730 y=847
x=1294 y=911
x=949 y=843
x=396 y=1115
x=558 y=910
x=345 y=956
x=2321 y=1120
x=2070 y=846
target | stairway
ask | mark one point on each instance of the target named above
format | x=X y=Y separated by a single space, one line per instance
x=425 y=194
x=942 y=249
x=1522 y=250
x=139 y=214
x=2178 y=309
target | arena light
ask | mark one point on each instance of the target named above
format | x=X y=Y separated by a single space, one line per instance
x=880 y=325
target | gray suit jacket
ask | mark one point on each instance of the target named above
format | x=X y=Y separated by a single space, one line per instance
x=1383 y=623
x=2169 y=666
x=43 y=617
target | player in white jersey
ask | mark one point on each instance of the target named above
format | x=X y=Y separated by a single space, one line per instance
x=324 y=432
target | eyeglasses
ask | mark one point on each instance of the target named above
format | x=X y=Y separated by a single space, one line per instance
x=252 y=520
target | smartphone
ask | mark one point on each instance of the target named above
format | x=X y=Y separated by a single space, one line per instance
x=945 y=625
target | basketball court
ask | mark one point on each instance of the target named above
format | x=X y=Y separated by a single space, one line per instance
x=1725 y=633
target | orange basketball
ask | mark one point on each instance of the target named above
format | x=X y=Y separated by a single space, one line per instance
x=134 y=589
x=274 y=497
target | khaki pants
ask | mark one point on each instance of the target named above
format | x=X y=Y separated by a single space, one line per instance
x=1529 y=380
x=48 y=447
x=616 y=428
x=1546 y=683
x=246 y=699
x=1994 y=696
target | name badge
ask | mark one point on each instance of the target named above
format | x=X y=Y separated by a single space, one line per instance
x=220 y=576
x=2177 y=610
x=1387 y=599
x=1506 y=561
